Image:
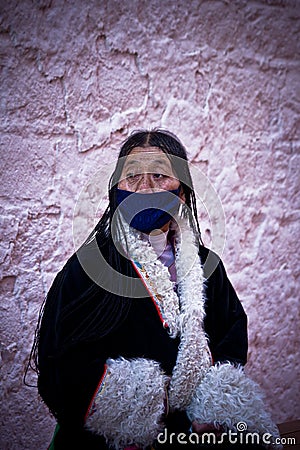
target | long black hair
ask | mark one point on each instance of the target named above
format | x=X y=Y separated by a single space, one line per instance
x=84 y=319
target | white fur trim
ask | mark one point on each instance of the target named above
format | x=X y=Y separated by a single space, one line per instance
x=227 y=396
x=129 y=407
x=193 y=359
x=158 y=277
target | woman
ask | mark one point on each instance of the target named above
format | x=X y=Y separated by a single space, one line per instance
x=136 y=340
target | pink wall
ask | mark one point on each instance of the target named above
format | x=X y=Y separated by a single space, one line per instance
x=76 y=78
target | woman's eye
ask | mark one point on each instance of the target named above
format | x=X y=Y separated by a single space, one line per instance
x=158 y=175
x=132 y=177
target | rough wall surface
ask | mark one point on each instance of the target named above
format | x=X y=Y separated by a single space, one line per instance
x=76 y=78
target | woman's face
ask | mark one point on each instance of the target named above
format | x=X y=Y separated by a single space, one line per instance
x=148 y=170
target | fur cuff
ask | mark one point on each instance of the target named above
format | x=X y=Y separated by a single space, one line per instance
x=130 y=403
x=227 y=396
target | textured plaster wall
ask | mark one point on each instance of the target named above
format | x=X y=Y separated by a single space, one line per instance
x=76 y=78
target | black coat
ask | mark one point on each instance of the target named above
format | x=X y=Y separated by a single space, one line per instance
x=69 y=371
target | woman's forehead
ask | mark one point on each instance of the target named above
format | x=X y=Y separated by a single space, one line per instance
x=145 y=150
x=141 y=155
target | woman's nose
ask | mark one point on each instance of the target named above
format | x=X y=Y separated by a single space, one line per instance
x=145 y=182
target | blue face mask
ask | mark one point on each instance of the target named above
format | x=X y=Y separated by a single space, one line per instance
x=148 y=212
